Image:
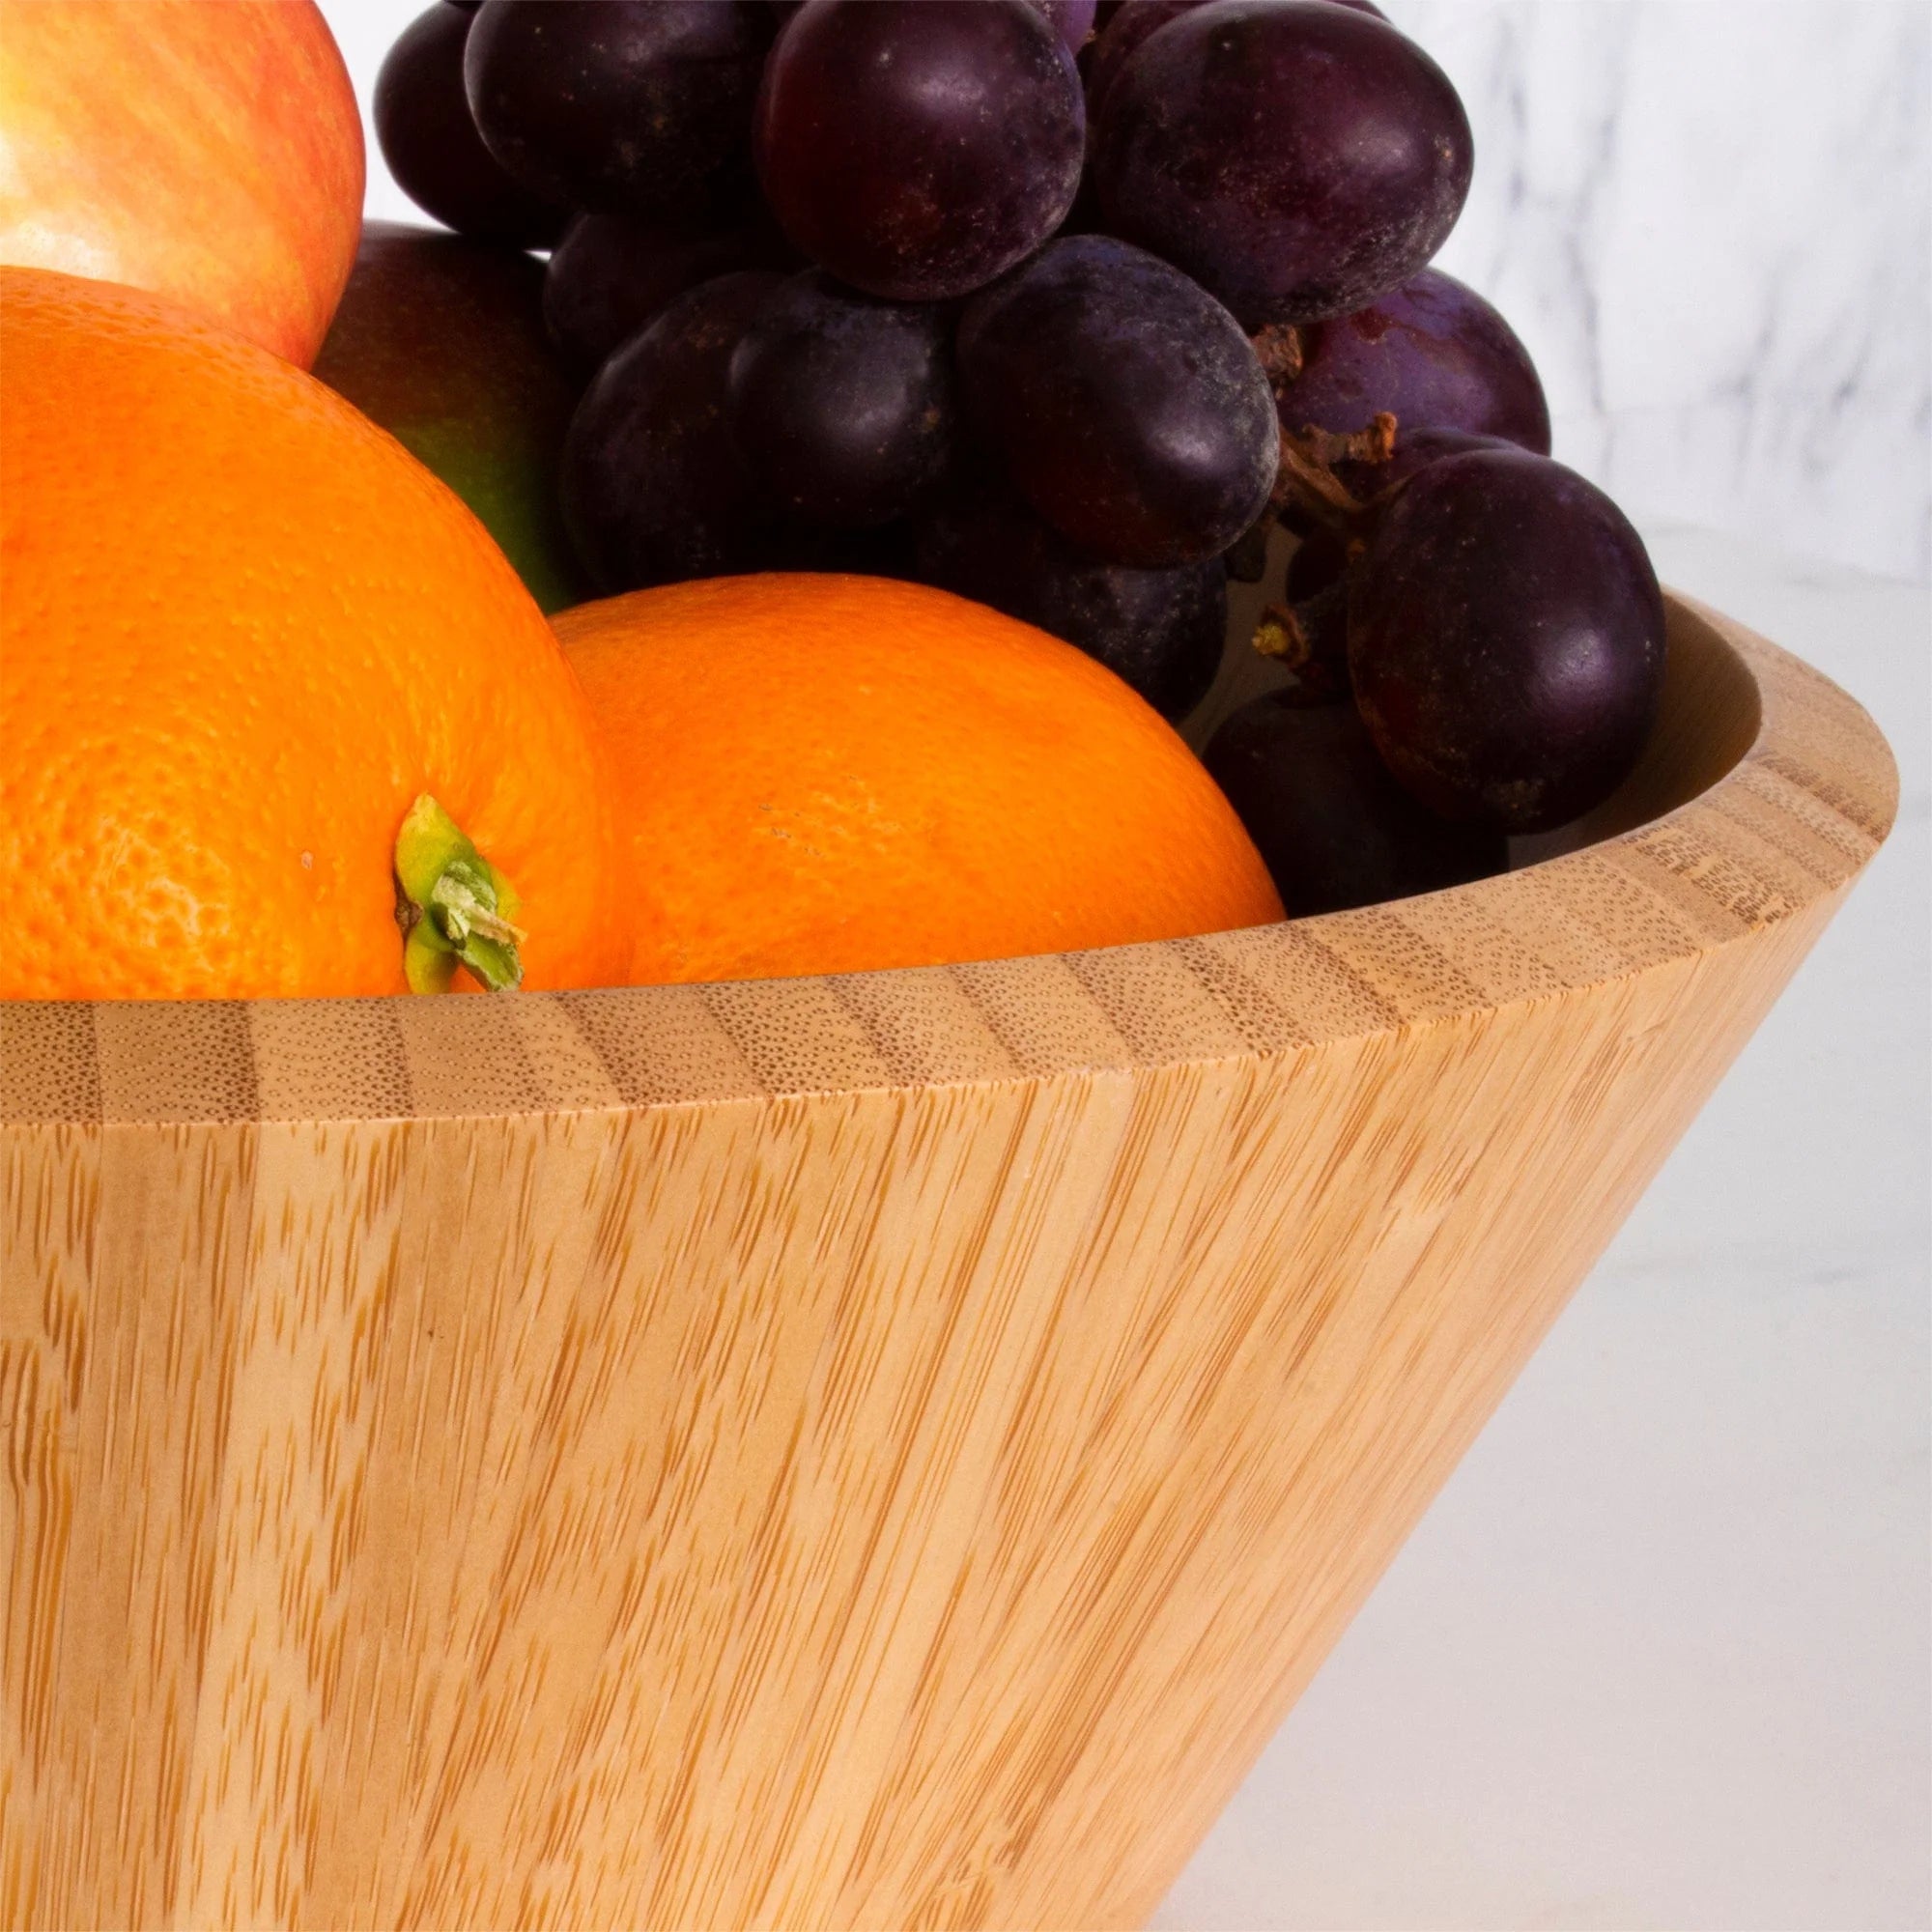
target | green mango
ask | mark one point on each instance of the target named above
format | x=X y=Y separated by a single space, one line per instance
x=440 y=341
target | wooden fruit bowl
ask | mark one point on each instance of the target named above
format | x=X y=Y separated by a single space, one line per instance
x=875 y=1452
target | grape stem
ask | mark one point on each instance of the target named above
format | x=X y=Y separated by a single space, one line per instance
x=1279 y=350
x=1278 y=634
x=1307 y=476
x=1281 y=634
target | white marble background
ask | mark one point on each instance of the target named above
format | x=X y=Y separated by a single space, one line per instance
x=1711 y=220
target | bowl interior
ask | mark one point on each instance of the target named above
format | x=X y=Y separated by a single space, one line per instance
x=1708 y=718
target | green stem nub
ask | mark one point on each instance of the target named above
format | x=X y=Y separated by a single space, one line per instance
x=454 y=907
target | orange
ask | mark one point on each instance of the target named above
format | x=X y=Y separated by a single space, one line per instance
x=829 y=774
x=241 y=630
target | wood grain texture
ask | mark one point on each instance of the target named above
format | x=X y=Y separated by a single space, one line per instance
x=875 y=1452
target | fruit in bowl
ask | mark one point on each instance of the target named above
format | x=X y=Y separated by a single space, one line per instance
x=244 y=633
x=436 y=340
x=212 y=154
x=954 y=1410
x=431 y=145
x=850 y=322
x=881 y=1441
x=925 y=782
x=977 y=379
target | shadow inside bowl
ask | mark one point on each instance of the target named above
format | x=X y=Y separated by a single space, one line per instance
x=1707 y=719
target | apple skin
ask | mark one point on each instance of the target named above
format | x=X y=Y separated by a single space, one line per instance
x=440 y=342
x=209 y=153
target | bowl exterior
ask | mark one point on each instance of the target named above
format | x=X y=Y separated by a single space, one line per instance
x=878 y=1452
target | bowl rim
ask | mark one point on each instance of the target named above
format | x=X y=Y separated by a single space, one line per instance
x=1780 y=834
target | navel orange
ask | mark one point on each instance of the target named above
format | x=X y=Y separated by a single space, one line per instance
x=825 y=774
x=241 y=633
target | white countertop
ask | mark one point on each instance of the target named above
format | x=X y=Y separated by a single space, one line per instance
x=1661 y=1655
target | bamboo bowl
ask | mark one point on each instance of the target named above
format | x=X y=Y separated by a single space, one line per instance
x=875 y=1452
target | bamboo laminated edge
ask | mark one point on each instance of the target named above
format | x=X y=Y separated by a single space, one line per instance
x=880 y=1451
x=1802 y=802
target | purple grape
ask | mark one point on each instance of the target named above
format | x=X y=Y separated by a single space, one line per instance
x=1312 y=637
x=1433 y=354
x=841 y=404
x=1123 y=37
x=636 y=107
x=653 y=488
x=1296 y=158
x=425 y=132
x=608 y=276
x=1506 y=640
x=1124 y=403
x=1160 y=630
x=792 y=544
x=1071 y=19
x=1334 y=828
x=919 y=148
x=1133 y=21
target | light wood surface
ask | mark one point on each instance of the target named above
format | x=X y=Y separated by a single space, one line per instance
x=879 y=1451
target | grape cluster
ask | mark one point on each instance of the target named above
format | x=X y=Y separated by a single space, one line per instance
x=1064 y=308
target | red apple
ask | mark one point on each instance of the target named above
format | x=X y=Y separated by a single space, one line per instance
x=209 y=152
